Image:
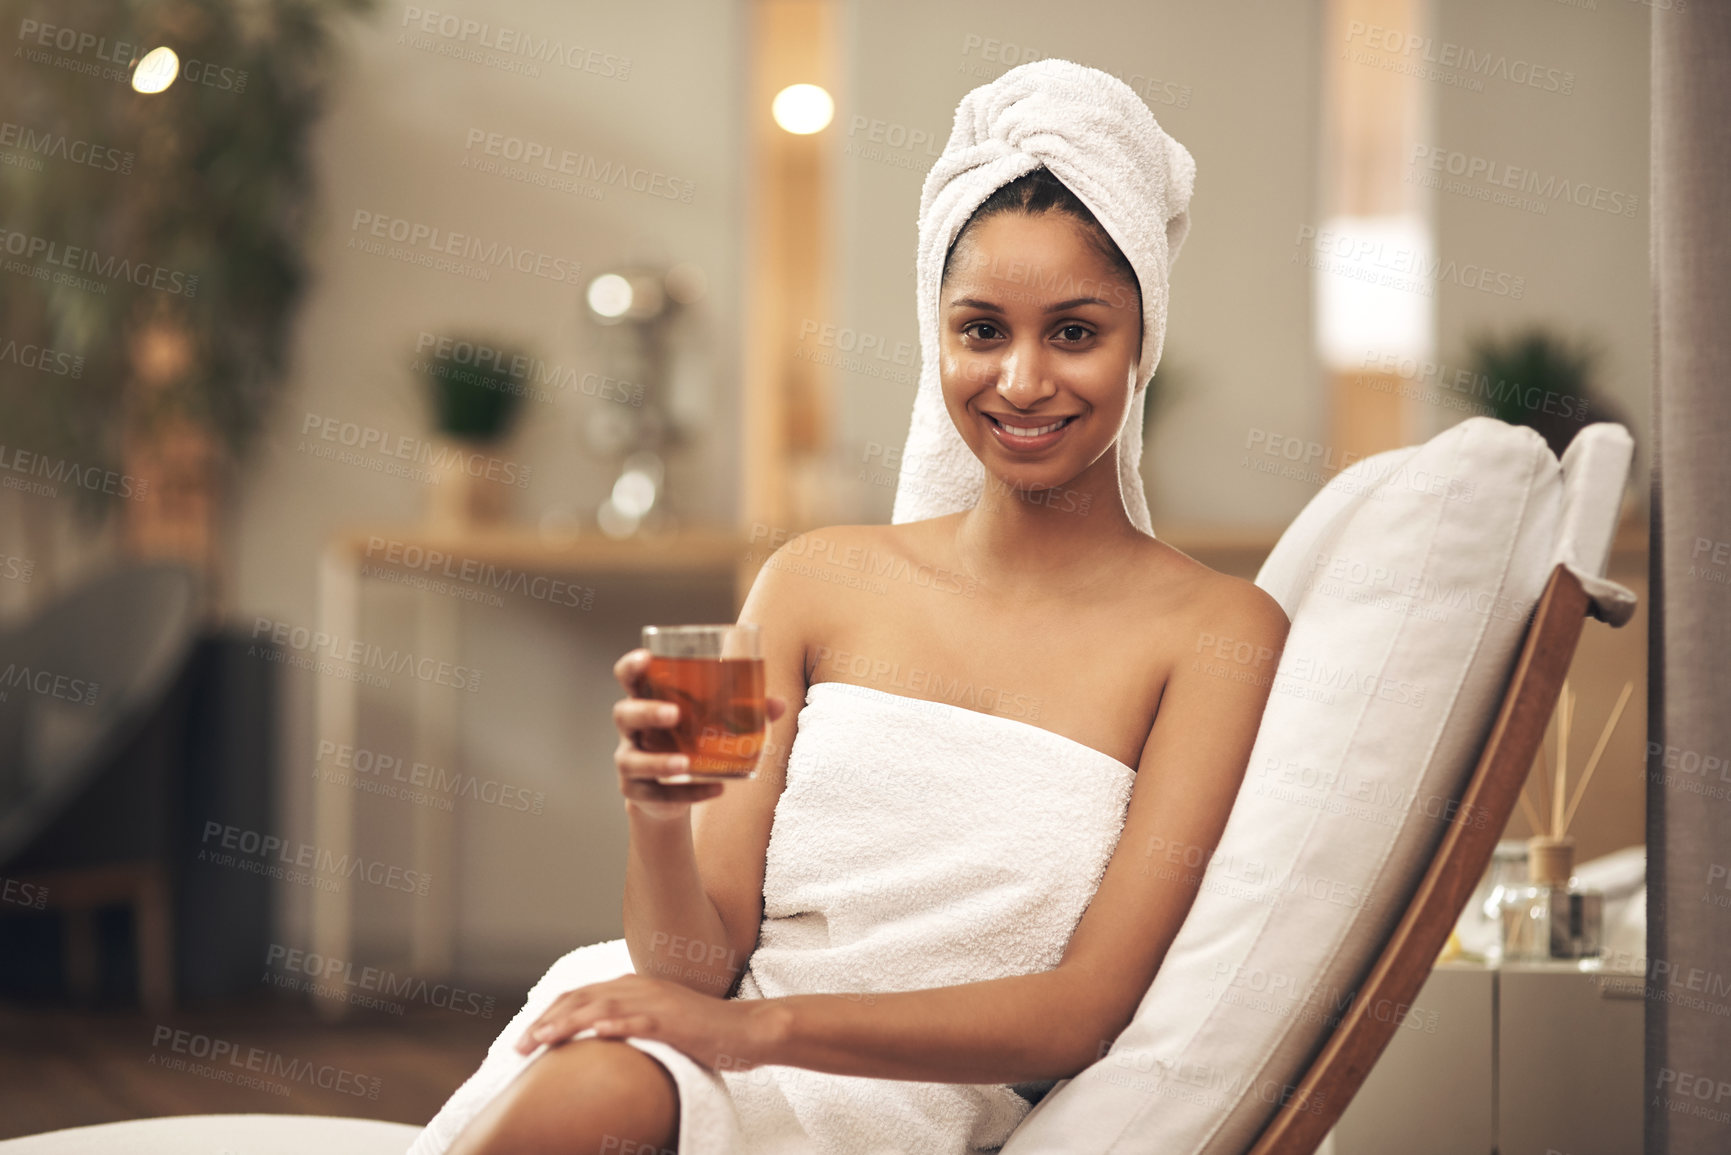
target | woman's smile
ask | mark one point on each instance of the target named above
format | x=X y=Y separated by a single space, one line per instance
x=1027 y=434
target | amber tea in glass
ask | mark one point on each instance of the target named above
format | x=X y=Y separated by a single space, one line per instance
x=715 y=675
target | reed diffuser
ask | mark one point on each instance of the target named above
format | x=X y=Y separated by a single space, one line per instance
x=1553 y=916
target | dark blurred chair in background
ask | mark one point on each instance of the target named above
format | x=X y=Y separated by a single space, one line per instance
x=123 y=730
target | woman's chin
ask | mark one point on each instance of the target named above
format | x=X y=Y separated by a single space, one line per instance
x=1031 y=485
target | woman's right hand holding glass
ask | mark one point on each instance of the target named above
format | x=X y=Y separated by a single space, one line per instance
x=639 y=768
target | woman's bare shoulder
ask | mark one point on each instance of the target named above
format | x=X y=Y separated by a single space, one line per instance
x=1207 y=596
x=808 y=568
x=851 y=545
x=836 y=545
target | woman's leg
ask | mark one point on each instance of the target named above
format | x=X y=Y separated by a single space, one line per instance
x=580 y=1098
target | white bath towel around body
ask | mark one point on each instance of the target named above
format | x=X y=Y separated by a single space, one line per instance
x=916 y=844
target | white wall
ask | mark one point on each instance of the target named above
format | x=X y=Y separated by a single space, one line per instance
x=1585 y=269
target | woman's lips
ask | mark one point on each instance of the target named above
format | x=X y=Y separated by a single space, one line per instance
x=1018 y=442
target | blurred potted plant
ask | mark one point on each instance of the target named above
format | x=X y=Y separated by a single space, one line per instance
x=1538 y=378
x=474 y=396
x=190 y=223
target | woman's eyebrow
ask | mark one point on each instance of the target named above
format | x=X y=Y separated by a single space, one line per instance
x=1073 y=302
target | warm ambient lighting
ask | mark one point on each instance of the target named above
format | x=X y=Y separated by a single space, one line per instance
x=156 y=71
x=610 y=295
x=634 y=493
x=802 y=109
x=1373 y=286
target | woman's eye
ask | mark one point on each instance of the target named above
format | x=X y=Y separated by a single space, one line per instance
x=1074 y=333
x=983 y=330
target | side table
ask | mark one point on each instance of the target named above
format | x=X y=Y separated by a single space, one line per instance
x=348 y=557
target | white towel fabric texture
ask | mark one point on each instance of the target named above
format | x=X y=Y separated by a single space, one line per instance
x=1094 y=134
x=916 y=844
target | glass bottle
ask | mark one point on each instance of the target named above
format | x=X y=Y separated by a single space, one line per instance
x=1480 y=928
x=1553 y=916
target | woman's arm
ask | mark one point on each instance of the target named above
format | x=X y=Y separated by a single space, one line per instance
x=1008 y=1030
x=693 y=898
x=672 y=927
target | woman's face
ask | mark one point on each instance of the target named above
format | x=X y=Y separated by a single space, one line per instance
x=1036 y=328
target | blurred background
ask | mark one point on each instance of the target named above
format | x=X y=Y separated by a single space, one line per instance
x=371 y=373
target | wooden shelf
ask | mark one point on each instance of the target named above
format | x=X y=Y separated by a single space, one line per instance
x=528 y=548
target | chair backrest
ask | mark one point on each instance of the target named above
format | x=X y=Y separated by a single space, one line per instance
x=1382 y=1000
x=1411 y=580
x=1595 y=471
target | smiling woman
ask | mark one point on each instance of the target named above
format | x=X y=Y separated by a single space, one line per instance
x=917 y=918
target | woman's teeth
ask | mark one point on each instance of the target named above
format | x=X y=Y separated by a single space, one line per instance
x=1030 y=432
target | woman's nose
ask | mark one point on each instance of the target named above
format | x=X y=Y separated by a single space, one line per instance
x=1022 y=380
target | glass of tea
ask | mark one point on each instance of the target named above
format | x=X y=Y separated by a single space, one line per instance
x=715 y=676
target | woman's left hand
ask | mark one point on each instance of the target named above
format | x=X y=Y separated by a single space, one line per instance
x=722 y=1034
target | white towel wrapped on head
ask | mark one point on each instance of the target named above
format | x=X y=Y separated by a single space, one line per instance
x=1094 y=134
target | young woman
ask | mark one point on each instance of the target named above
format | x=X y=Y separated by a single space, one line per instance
x=1077 y=634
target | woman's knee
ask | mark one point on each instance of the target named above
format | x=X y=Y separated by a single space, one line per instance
x=595 y=1096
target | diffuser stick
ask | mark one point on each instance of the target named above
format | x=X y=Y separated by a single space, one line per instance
x=1543 y=791
x=1599 y=749
x=1565 y=716
x=1527 y=809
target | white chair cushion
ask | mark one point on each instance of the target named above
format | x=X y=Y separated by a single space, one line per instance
x=1595 y=477
x=1409 y=580
x=223 y=1135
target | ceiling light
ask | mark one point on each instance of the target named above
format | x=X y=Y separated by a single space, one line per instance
x=802 y=109
x=156 y=71
x=610 y=295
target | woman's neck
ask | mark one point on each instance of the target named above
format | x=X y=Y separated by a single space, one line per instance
x=1052 y=541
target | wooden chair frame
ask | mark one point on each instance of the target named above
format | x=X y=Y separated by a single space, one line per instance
x=1339 y=1068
